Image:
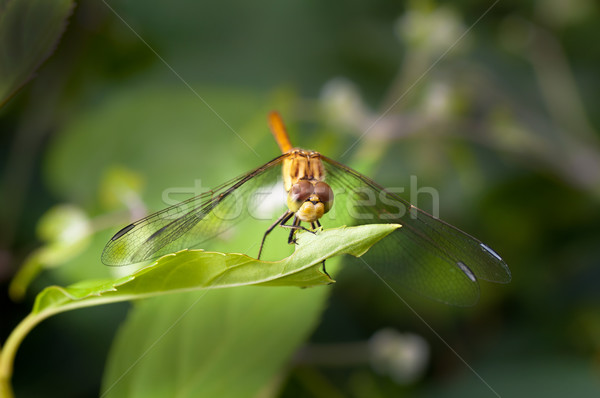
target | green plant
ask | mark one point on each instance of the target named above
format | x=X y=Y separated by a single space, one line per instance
x=193 y=270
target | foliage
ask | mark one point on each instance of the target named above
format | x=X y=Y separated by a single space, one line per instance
x=490 y=104
x=29 y=31
x=192 y=270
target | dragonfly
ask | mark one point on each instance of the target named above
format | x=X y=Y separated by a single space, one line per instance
x=426 y=255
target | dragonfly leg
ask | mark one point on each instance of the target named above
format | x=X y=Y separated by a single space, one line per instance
x=296 y=226
x=314 y=225
x=293 y=228
x=325 y=271
x=280 y=221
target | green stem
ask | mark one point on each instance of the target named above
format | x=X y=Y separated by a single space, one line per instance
x=7 y=355
x=5 y=390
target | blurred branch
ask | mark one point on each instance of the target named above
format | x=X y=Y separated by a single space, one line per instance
x=577 y=141
x=557 y=85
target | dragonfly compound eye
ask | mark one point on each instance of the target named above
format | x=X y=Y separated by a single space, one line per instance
x=325 y=194
x=299 y=193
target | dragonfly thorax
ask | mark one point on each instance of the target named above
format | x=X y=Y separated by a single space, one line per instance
x=300 y=164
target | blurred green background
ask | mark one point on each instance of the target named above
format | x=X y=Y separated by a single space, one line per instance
x=493 y=107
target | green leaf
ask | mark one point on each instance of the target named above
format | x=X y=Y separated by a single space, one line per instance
x=194 y=345
x=29 y=31
x=194 y=270
x=215 y=343
x=197 y=269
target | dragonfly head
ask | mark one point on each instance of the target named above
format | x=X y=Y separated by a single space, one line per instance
x=310 y=199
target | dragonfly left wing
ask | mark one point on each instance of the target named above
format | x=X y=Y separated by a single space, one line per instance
x=190 y=222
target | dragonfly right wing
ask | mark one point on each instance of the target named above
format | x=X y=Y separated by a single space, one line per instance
x=426 y=255
x=190 y=222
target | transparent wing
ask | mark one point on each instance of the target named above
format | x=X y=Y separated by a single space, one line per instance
x=190 y=222
x=426 y=255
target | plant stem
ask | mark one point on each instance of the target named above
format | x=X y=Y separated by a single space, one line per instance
x=7 y=355
x=5 y=390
